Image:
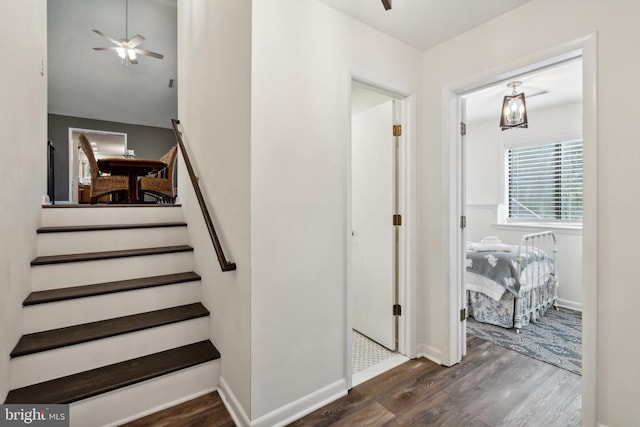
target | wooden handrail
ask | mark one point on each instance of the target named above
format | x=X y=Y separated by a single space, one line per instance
x=225 y=264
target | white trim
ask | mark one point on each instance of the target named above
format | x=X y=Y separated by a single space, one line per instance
x=430 y=353
x=571 y=305
x=295 y=410
x=451 y=192
x=408 y=208
x=73 y=159
x=531 y=227
x=232 y=404
x=377 y=369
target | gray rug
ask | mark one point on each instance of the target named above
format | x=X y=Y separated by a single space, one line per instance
x=555 y=339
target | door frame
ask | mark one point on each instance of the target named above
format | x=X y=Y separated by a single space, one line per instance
x=73 y=158
x=452 y=162
x=407 y=245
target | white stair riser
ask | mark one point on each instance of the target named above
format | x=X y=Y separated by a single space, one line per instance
x=57 y=217
x=145 y=398
x=110 y=240
x=59 y=362
x=54 y=276
x=42 y=317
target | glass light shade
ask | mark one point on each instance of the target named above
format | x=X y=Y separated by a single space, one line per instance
x=514 y=112
x=121 y=52
x=132 y=54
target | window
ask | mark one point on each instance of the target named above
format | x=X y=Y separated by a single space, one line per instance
x=544 y=182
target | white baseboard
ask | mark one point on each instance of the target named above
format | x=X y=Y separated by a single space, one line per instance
x=377 y=369
x=231 y=402
x=571 y=305
x=430 y=353
x=303 y=406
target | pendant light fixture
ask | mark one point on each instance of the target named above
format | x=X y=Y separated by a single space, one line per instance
x=514 y=109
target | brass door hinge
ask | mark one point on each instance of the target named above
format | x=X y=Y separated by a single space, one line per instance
x=463 y=314
x=397 y=130
x=397 y=219
x=397 y=310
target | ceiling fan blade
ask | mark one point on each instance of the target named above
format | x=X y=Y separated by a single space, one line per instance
x=135 y=40
x=149 y=53
x=111 y=39
x=107 y=48
x=386 y=4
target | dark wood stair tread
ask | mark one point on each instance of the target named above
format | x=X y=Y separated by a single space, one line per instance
x=111 y=205
x=62 y=337
x=107 y=378
x=94 y=256
x=106 y=227
x=73 y=292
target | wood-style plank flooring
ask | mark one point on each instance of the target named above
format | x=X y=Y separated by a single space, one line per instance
x=205 y=411
x=493 y=386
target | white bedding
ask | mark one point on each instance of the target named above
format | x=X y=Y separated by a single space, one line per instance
x=478 y=283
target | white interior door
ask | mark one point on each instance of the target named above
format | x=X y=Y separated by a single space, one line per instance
x=372 y=217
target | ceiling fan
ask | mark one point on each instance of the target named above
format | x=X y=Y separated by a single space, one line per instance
x=127 y=49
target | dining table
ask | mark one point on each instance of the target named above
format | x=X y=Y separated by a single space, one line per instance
x=131 y=167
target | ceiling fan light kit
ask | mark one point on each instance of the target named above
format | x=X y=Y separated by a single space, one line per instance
x=127 y=49
x=514 y=109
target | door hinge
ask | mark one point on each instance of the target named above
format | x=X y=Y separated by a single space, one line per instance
x=463 y=128
x=463 y=222
x=463 y=314
x=397 y=219
x=397 y=310
x=397 y=130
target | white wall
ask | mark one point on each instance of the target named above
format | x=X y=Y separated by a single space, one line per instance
x=542 y=25
x=303 y=52
x=486 y=186
x=214 y=87
x=23 y=166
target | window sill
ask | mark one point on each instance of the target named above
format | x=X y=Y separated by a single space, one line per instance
x=529 y=227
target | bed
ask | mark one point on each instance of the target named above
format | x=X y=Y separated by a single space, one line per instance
x=511 y=286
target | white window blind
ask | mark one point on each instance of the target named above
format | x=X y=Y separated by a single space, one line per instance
x=545 y=182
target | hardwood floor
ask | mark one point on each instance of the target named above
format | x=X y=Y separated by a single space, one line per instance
x=207 y=410
x=493 y=386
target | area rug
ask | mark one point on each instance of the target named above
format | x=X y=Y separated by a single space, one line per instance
x=555 y=339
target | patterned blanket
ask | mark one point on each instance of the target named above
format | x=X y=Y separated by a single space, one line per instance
x=501 y=267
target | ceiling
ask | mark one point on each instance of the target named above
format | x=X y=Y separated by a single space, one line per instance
x=562 y=84
x=95 y=84
x=424 y=23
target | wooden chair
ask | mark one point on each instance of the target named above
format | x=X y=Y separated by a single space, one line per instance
x=101 y=184
x=160 y=185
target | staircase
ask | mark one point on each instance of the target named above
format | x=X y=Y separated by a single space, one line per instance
x=114 y=325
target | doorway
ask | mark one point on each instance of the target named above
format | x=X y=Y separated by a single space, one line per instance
x=522 y=200
x=104 y=144
x=376 y=235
